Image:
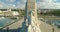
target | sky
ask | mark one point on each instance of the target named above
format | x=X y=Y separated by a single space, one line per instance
x=41 y=4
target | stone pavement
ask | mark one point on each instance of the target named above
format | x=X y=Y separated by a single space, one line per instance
x=43 y=27
x=48 y=28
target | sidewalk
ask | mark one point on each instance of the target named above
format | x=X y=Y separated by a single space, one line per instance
x=48 y=28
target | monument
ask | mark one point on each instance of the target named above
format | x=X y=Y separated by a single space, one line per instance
x=31 y=23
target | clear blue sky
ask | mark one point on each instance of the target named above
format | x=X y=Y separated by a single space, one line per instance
x=44 y=4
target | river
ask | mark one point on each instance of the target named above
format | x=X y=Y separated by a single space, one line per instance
x=5 y=21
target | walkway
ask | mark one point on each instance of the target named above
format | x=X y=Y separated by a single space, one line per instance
x=17 y=26
x=48 y=28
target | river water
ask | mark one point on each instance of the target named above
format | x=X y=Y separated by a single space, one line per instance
x=5 y=21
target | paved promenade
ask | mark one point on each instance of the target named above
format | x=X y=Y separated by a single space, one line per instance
x=48 y=28
x=43 y=26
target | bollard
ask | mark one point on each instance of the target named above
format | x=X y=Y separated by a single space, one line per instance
x=7 y=29
x=52 y=29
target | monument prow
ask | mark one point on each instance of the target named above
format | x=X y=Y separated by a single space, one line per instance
x=30 y=18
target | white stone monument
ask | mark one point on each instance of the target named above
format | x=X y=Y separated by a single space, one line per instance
x=30 y=18
x=34 y=26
